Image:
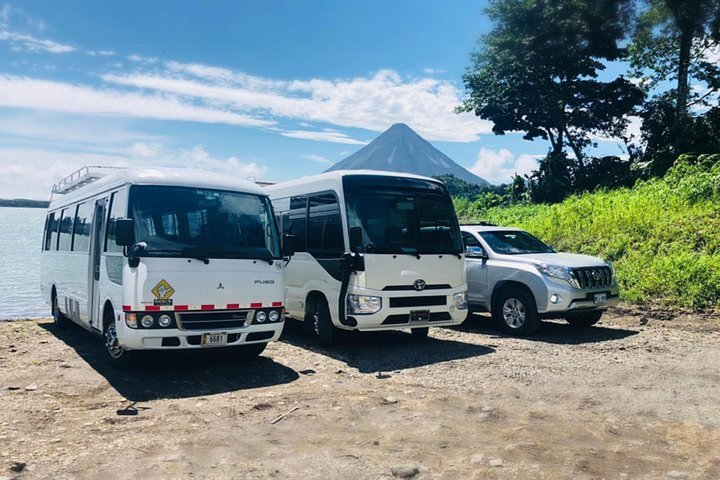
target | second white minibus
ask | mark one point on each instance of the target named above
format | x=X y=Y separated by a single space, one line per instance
x=159 y=259
x=374 y=251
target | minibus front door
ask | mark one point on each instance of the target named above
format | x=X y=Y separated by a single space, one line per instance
x=96 y=247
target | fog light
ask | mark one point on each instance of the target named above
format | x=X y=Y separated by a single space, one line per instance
x=555 y=298
x=273 y=316
x=164 y=320
x=131 y=320
x=260 y=317
x=147 y=321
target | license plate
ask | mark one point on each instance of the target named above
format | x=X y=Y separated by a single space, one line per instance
x=420 y=316
x=600 y=298
x=213 y=339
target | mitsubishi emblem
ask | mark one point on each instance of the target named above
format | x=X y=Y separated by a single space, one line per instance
x=220 y=286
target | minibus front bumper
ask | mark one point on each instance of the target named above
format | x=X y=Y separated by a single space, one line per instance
x=408 y=309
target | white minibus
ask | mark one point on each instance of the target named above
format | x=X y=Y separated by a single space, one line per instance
x=160 y=259
x=374 y=251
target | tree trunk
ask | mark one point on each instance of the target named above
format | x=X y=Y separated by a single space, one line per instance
x=686 y=38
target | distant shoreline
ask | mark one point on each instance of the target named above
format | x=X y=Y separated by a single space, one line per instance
x=24 y=203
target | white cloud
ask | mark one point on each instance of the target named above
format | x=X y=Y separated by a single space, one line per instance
x=321 y=136
x=318 y=159
x=498 y=166
x=31 y=172
x=102 y=53
x=24 y=42
x=372 y=103
x=21 y=92
x=140 y=59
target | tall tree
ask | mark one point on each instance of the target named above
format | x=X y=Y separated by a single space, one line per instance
x=678 y=40
x=537 y=72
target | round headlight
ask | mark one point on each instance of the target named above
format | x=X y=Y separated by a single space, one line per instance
x=147 y=321
x=164 y=320
x=273 y=316
x=260 y=317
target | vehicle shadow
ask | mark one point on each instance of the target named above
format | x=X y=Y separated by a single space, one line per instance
x=175 y=374
x=551 y=331
x=387 y=351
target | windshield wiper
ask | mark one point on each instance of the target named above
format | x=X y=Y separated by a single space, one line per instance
x=410 y=251
x=196 y=253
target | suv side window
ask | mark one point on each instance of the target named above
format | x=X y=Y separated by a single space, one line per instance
x=471 y=241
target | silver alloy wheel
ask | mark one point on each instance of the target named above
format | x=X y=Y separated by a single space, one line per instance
x=514 y=313
x=112 y=343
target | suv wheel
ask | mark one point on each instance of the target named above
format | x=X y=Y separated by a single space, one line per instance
x=516 y=313
x=584 y=320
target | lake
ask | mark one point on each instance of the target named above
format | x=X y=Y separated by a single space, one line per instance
x=21 y=232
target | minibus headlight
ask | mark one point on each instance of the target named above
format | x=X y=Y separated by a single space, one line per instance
x=460 y=300
x=273 y=316
x=131 y=320
x=147 y=321
x=164 y=320
x=363 y=304
x=260 y=317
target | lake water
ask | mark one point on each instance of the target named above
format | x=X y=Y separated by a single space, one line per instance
x=21 y=232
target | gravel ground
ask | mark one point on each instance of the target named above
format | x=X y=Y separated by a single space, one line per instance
x=637 y=396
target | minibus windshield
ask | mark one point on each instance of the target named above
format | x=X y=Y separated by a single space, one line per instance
x=203 y=223
x=402 y=215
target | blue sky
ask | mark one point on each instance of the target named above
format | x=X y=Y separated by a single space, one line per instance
x=271 y=89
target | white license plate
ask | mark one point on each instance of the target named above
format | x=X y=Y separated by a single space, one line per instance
x=600 y=298
x=213 y=339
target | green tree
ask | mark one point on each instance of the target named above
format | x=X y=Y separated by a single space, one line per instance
x=537 y=70
x=674 y=41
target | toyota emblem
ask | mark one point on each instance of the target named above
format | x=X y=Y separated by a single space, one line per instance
x=419 y=284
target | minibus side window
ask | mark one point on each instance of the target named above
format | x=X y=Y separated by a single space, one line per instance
x=83 y=224
x=296 y=222
x=325 y=236
x=118 y=209
x=50 y=229
x=65 y=231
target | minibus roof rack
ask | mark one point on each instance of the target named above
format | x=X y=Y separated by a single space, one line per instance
x=84 y=176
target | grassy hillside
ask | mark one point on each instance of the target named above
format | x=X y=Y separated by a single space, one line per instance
x=662 y=236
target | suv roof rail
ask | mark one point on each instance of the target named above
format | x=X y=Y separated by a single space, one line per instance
x=84 y=176
x=478 y=224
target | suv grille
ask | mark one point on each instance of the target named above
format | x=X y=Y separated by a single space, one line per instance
x=593 y=277
x=213 y=320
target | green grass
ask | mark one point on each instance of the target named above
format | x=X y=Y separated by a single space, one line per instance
x=662 y=236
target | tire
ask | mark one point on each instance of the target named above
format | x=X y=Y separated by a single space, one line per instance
x=115 y=354
x=322 y=323
x=250 y=351
x=515 y=312
x=59 y=320
x=420 y=333
x=584 y=320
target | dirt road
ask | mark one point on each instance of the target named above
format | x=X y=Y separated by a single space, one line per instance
x=635 y=397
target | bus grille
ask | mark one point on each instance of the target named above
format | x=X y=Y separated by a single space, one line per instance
x=420 y=301
x=215 y=320
x=595 y=277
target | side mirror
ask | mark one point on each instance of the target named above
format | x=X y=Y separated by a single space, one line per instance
x=474 y=252
x=356 y=238
x=125 y=232
x=288 y=246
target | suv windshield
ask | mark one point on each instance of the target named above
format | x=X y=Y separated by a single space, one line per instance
x=402 y=215
x=202 y=223
x=514 y=242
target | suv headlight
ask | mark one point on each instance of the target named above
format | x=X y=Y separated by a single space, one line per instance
x=363 y=304
x=562 y=273
x=460 y=300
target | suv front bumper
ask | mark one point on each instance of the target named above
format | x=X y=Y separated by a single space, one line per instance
x=574 y=300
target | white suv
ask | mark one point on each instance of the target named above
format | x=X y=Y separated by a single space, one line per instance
x=520 y=280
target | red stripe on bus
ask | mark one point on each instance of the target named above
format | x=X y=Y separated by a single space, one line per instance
x=233 y=305
x=277 y=304
x=255 y=305
x=127 y=308
x=152 y=308
x=207 y=307
x=181 y=307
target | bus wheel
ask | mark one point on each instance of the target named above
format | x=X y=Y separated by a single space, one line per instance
x=420 y=333
x=59 y=320
x=322 y=323
x=250 y=351
x=114 y=352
